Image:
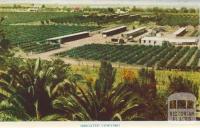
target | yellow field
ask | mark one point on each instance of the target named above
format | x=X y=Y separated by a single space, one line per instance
x=91 y=73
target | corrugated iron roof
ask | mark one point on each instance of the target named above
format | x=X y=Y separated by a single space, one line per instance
x=133 y=31
x=179 y=31
x=65 y=36
x=113 y=29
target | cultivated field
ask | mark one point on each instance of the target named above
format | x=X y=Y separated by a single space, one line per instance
x=32 y=37
x=65 y=79
x=162 y=76
x=26 y=17
x=159 y=56
x=29 y=30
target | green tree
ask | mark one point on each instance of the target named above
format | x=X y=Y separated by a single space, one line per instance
x=4 y=45
x=43 y=6
x=42 y=22
x=192 y=10
x=148 y=80
x=101 y=101
x=111 y=10
x=174 y=10
x=184 y=10
x=145 y=87
x=30 y=88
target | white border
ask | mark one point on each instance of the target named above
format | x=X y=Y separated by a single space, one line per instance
x=102 y=124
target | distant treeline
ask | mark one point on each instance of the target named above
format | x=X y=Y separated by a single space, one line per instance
x=106 y=10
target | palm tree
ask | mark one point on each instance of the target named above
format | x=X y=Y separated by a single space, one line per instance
x=10 y=107
x=180 y=84
x=32 y=86
x=5 y=46
x=147 y=82
x=101 y=101
x=145 y=87
x=4 y=43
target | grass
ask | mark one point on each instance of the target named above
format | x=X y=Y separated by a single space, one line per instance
x=91 y=73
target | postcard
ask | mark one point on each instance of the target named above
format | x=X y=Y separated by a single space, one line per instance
x=99 y=63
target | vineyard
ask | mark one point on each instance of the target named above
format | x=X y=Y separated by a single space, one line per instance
x=29 y=33
x=38 y=47
x=32 y=37
x=95 y=19
x=162 y=57
x=178 y=19
x=171 y=19
x=25 y=17
x=161 y=19
x=28 y=37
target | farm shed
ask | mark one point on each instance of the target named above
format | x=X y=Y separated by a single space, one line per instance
x=67 y=38
x=173 y=41
x=135 y=32
x=184 y=41
x=180 y=32
x=114 y=31
x=152 y=40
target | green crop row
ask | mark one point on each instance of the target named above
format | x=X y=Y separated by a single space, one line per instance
x=25 y=17
x=154 y=56
x=20 y=34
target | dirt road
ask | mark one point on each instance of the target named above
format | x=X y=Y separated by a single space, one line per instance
x=95 y=38
x=69 y=45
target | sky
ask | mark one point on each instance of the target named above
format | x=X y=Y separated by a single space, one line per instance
x=106 y=2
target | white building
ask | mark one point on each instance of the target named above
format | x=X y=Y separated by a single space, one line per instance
x=152 y=40
x=184 y=41
x=119 y=11
x=173 y=41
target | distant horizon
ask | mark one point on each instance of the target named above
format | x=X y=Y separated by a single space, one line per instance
x=175 y=3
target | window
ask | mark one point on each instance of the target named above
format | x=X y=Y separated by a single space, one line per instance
x=181 y=104
x=190 y=104
x=173 y=104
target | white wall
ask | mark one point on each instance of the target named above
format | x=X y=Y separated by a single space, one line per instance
x=151 y=42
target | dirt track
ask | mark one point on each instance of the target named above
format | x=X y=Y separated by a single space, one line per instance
x=69 y=45
x=95 y=38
